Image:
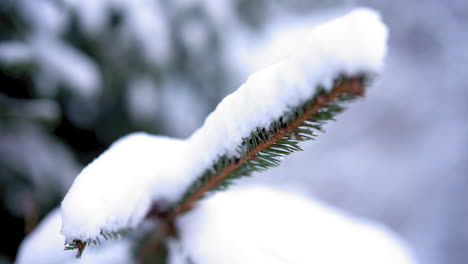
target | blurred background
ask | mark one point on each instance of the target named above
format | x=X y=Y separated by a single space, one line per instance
x=77 y=75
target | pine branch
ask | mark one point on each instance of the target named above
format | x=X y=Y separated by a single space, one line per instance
x=295 y=108
x=265 y=147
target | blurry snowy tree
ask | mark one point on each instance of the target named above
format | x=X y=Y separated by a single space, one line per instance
x=143 y=176
x=76 y=75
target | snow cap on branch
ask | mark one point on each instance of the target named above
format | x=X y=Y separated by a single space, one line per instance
x=350 y=45
x=115 y=191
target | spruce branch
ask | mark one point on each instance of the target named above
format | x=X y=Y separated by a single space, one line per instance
x=265 y=147
x=294 y=109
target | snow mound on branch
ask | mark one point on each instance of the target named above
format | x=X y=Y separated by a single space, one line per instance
x=262 y=225
x=116 y=190
x=352 y=44
x=45 y=246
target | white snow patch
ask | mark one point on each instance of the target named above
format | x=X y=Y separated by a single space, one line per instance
x=15 y=52
x=144 y=24
x=262 y=225
x=45 y=246
x=45 y=17
x=30 y=150
x=142 y=100
x=177 y=255
x=116 y=190
x=93 y=15
x=62 y=64
x=180 y=108
x=194 y=35
x=220 y=12
x=147 y=24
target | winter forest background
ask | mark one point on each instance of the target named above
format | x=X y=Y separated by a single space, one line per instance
x=77 y=75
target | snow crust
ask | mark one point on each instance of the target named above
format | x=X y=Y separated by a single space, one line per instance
x=117 y=189
x=262 y=225
x=45 y=246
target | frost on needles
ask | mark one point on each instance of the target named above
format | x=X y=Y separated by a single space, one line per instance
x=250 y=130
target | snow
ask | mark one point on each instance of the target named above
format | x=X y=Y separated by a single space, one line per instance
x=148 y=25
x=142 y=100
x=45 y=17
x=47 y=164
x=12 y=52
x=92 y=14
x=219 y=13
x=58 y=64
x=177 y=254
x=351 y=44
x=45 y=246
x=261 y=225
x=174 y=112
x=144 y=24
x=63 y=64
x=194 y=35
x=117 y=189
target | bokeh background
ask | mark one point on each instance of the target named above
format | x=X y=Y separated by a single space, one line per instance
x=77 y=75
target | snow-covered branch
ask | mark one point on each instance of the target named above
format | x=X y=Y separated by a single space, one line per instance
x=250 y=130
